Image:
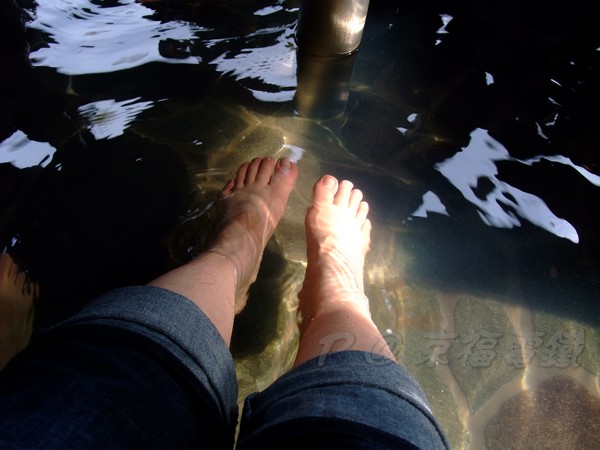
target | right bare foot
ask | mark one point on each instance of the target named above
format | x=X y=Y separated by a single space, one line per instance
x=17 y=296
x=338 y=238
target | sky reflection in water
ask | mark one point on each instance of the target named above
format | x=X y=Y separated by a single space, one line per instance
x=87 y=39
x=92 y=39
x=503 y=206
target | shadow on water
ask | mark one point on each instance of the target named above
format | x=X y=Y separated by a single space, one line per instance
x=80 y=234
x=254 y=327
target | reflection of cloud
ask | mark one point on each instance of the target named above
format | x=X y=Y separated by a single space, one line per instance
x=504 y=204
x=592 y=178
x=108 y=118
x=431 y=203
x=274 y=66
x=268 y=10
x=22 y=153
x=446 y=19
x=87 y=38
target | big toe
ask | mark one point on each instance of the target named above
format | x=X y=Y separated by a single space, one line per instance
x=324 y=190
x=285 y=175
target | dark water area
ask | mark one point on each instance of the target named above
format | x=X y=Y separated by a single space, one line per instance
x=544 y=100
x=94 y=214
x=471 y=127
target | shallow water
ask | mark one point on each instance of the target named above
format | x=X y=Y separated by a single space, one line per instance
x=471 y=130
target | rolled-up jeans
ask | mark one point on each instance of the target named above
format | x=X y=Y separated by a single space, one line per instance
x=144 y=368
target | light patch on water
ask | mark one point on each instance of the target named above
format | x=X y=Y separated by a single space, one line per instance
x=108 y=119
x=431 y=203
x=22 y=152
x=592 y=178
x=446 y=19
x=268 y=10
x=540 y=131
x=295 y=153
x=275 y=66
x=86 y=38
x=266 y=96
x=412 y=117
x=503 y=206
x=552 y=122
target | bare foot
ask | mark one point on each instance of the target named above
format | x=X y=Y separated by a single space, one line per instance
x=338 y=238
x=17 y=295
x=249 y=209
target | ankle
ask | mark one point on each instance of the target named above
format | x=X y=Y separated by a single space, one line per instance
x=350 y=303
x=220 y=256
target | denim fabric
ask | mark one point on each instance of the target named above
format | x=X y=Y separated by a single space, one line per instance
x=349 y=394
x=139 y=368
x=173 y=323
x=144 y=368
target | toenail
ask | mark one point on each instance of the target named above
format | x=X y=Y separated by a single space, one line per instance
x=328 y=181
x=285 y=163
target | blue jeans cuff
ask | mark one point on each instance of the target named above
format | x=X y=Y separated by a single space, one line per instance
x=173 y=326
x=353 y=387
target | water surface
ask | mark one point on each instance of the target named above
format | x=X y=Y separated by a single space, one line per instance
x=472 y=131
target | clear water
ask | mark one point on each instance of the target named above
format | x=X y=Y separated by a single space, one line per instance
x=472 y=131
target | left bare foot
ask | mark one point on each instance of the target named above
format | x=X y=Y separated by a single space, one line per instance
x=17 y=295
x=249 y=209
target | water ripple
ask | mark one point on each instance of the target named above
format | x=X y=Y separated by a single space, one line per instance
x=85 y=38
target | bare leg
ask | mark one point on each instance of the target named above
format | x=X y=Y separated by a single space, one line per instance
x=333 y=305
x=249 y=209
x=16 y=309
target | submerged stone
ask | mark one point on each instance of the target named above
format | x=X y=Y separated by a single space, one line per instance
x=559 y=413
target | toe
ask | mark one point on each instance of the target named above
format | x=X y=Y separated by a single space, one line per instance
x=240 y=177
x=362 y=212
x=228 y=188
x=265 y=170
x=342 y=197
x=253 y=169
x=356 y=197
x=325 y=189
x=285 y=174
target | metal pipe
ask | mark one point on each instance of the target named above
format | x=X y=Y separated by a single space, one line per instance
x=323 y=85
x=329 y=33
x=331 y=27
